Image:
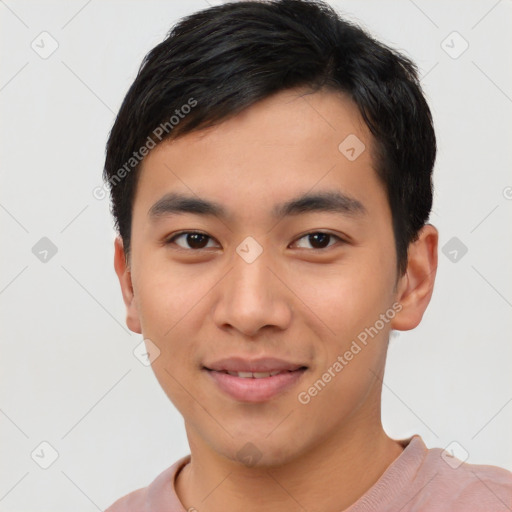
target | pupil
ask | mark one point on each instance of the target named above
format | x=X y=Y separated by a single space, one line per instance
x=197 y=240
x=319 y=240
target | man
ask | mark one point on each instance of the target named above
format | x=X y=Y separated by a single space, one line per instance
x=270 y=172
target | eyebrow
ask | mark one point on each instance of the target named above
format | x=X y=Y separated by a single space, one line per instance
x=328 y=201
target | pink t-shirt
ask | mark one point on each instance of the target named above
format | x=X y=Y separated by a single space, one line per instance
x=419 y=480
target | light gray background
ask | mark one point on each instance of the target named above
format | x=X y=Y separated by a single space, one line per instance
x=69 y=376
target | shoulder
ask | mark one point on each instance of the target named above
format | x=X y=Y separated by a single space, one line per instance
x=424 y=479
x=136 y=500
x=159 y=495
x=463 y=486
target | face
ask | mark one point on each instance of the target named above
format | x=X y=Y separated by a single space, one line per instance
x=259 y=280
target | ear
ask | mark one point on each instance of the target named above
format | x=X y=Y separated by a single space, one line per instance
x=415 y=287
x=125 y=280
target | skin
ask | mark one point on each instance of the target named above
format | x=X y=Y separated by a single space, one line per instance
x=295 y=301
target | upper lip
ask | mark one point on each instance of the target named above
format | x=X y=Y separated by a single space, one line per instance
x=265 y=364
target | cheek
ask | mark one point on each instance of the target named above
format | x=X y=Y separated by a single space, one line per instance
x=166 y=294
x=348 y=297
x=169 y=305
x=169 y=310
x=351 y=358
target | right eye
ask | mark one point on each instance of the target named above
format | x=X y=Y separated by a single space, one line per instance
x=195 y=240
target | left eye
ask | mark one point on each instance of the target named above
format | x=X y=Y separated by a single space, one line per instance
x=318 y=240
x=193 y=239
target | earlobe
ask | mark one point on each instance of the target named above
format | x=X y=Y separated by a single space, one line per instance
x=125 y=280
x=417 y=284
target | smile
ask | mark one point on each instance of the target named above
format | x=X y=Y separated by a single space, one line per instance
x=255 y=386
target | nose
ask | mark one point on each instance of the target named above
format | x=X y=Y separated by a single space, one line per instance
x=252 y=298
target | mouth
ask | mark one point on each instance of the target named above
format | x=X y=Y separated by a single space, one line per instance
x=256 y=375
x=256 y=381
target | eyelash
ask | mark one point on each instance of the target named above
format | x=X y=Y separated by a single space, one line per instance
x=170 y=240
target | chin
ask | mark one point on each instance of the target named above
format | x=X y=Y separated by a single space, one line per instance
x=259 y=451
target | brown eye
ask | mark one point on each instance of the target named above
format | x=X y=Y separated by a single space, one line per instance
x=191 y=240
x=318 y=240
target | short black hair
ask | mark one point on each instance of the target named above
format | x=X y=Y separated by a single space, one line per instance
x=219 y=61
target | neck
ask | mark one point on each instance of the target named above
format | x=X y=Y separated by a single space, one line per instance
x=330 y=476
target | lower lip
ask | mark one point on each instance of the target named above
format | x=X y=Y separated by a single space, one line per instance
x=255 y=390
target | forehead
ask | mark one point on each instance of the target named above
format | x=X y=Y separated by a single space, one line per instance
x=281 y=147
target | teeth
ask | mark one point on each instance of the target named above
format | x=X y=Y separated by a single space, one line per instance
x=245 y=375
x=259 y=375
x=254 y=375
